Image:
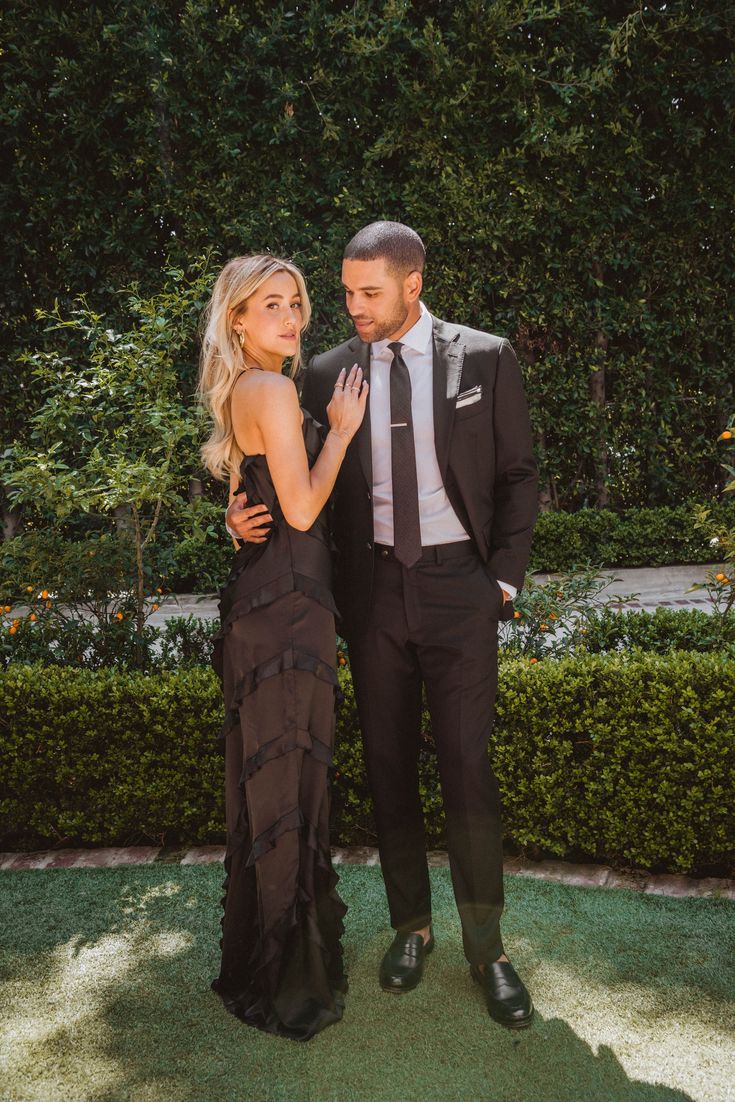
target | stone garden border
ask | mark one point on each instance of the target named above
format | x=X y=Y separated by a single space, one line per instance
x=562 y=872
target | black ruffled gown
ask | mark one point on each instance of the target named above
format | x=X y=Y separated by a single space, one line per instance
x=275 y=652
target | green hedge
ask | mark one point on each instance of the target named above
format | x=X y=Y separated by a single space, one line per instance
x=662 y=631
x=663 y=536
x=568 y=165
x=186 y=641
x=630 y=760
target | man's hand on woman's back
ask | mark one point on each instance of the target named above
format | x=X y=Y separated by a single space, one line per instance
x=248 y=522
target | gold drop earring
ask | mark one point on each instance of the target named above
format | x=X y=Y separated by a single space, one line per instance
x=241 y=338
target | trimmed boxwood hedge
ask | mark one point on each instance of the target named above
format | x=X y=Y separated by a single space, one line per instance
x=630 y=759
x=661 y=631
x=662 y=536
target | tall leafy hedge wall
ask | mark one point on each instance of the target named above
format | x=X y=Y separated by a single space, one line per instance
x=568 y=165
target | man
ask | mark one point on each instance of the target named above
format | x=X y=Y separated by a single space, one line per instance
x=433 y=515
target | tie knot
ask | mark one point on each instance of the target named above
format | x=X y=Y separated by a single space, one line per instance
x=395 y=347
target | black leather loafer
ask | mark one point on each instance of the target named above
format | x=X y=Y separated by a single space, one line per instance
x=508 y=1001
x=403 y=964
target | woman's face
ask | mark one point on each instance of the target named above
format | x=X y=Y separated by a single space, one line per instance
x=271 y=321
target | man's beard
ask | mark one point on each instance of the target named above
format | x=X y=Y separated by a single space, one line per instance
x=385 y=328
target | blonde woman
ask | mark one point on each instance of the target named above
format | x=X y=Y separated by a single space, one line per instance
x=281 y=967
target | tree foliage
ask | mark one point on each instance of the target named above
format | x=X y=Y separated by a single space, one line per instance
x=112 y=435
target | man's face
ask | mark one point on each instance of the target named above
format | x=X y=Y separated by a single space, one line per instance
x=376 y=299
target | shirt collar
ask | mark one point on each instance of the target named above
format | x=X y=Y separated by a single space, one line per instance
x=418 y=337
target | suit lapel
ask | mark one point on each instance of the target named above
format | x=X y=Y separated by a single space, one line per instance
x=363 y=440
x=447 y=373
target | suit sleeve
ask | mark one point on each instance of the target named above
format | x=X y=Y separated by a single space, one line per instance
x=516 y=475
x=306 y=386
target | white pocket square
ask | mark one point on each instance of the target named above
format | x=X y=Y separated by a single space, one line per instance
x=467 y=397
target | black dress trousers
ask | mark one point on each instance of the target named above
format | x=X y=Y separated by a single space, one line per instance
x=434 y=623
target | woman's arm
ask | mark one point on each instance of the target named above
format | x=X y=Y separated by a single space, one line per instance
x=269 y=405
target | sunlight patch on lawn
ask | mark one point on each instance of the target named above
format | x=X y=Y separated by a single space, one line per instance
x=653 y=1034
x=58 y=1027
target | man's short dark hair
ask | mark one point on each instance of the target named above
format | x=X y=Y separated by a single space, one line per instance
x=399 y=245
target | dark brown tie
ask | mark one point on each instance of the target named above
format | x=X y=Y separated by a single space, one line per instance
x=406 y=524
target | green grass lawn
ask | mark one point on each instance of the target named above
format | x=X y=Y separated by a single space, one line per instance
x=104 y=995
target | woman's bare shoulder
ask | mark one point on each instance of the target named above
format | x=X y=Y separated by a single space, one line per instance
x=256 y=384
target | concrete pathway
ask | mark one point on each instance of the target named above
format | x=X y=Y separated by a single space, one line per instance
x=563 y=872
x=661 y=586
x=657 y=587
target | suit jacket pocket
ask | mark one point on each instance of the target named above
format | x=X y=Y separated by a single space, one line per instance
x=469 y=397
x=469 y=410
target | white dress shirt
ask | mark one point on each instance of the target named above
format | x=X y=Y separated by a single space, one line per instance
x=438 y=520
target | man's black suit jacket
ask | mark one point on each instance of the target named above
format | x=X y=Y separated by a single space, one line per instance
x=484 y=450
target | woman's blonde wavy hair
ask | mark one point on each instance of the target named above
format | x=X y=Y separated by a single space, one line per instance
x=222 y=361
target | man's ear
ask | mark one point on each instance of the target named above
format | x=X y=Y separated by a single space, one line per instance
x=413 y=284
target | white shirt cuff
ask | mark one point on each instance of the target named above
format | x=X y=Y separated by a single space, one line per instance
x=509 y=589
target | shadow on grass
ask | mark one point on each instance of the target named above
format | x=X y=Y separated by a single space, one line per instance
x=667 y=954
x=106 y=993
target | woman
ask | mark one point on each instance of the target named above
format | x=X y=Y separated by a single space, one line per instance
x=281 y=967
